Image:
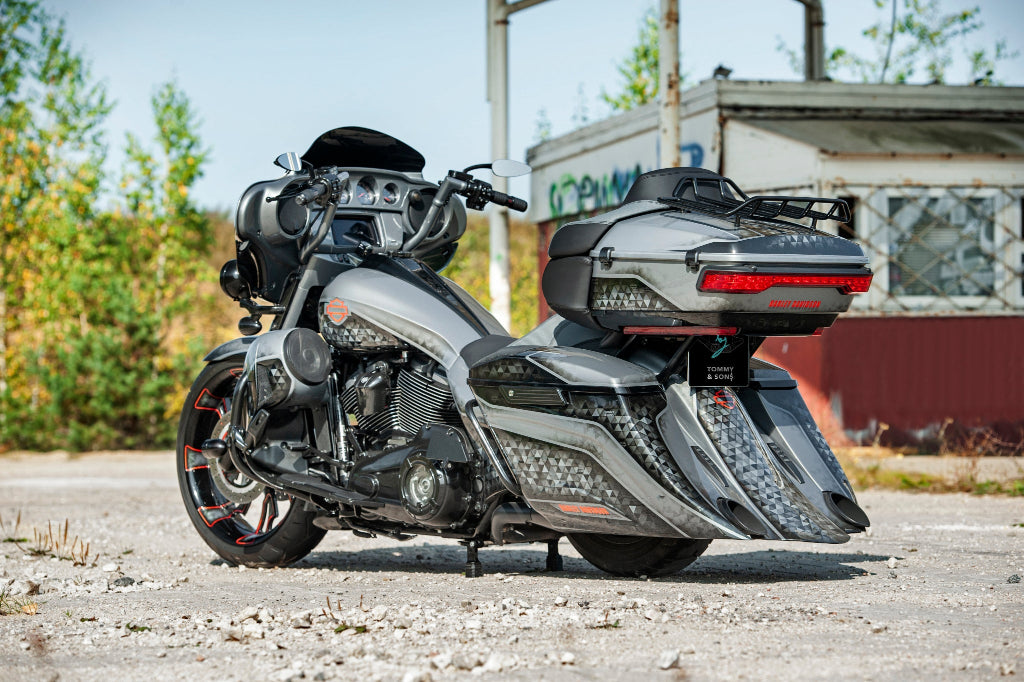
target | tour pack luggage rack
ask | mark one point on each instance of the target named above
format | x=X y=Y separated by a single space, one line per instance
x=762 y=206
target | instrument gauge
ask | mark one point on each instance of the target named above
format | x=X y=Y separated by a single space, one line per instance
x=366 y=191
x=345 y=193
x=390 y=193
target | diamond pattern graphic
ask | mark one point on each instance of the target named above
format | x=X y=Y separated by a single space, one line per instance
x=631 y=420
x=356 y=333
x=512 y=370
x=626 y=293
x=777 y=499
x=549 y=472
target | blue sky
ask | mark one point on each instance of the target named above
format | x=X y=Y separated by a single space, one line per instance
x=268 y=77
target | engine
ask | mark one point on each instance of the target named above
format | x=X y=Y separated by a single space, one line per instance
x=392 y=405
x=417 y=460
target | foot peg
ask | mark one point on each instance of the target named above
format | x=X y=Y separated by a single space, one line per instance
x=554 y=562
x=474 y=569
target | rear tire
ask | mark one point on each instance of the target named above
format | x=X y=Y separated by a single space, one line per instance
x=629 y=556
x=255 y=533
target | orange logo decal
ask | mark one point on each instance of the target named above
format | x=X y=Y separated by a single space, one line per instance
x=578 y=509
x=336 y=310
x=725 y=399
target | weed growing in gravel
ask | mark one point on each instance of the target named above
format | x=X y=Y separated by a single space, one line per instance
x=12 y=534
x=964 y=478
x=10 y=605
x=49 y=543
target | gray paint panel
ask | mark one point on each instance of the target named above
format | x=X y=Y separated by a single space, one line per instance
x=592 y=438
x=405 y=311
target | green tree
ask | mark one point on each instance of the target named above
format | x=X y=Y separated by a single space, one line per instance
x=89 y=299
x=639 y=70
x=51 y=151
x=914 y=40
x=134 y=276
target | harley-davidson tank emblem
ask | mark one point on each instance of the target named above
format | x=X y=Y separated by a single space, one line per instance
x=336 y=310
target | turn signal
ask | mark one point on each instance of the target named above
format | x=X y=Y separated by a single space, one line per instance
x=724 y=282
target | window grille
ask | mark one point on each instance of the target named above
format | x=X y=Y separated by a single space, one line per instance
x=941 y=250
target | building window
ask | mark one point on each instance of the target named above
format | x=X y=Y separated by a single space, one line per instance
x=941 y=249
x=941 y=246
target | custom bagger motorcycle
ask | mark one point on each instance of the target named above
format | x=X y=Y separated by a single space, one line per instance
x=384 y=400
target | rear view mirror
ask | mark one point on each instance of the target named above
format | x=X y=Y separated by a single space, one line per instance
x=507 y=168
x=290 y=162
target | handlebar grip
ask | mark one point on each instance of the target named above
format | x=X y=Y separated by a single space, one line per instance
x=508 y=201
x=309 y=194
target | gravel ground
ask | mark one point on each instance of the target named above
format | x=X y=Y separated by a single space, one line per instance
x=933 y=591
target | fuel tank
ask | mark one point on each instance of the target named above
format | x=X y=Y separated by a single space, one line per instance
x=394 y=304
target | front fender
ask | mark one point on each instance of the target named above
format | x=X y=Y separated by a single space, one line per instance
x=237 y=346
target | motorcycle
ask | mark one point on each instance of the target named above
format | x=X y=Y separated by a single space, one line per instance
x=636 y=423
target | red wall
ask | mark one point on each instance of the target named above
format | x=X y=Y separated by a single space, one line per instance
x=912 y=372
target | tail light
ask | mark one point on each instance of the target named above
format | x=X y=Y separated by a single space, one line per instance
x=724 y=282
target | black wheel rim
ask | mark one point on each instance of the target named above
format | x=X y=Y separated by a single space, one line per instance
x=243 y=524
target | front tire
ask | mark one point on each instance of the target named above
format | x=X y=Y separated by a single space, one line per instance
x=272 y=529
x=629 y=556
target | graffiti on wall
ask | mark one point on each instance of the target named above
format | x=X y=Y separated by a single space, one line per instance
x=572 y=194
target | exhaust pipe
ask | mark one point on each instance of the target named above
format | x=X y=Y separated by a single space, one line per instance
x=518 y=514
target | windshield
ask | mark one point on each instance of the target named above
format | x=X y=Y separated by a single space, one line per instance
x=355 y=147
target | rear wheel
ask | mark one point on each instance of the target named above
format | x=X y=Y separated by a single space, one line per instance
x=635 y=556
x=241 y=520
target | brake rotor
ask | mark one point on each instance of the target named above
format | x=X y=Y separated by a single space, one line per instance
x=232 y=485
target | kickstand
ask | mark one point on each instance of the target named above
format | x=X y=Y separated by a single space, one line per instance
x=554 y=562
x=473 y=567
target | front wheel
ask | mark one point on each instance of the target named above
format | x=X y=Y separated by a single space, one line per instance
x=241 y=520
x=636 y=556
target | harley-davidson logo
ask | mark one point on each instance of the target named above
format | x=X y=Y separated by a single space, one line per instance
x=336 y=310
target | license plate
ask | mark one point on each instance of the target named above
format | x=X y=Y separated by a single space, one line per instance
x=718 y=361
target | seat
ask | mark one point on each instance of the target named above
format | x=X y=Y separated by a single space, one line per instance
x=475 y=351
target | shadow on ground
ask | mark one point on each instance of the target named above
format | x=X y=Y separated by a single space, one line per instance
x=763 y=566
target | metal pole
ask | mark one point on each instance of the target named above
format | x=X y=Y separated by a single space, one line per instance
x=814 y=40
x=668 y=83
x=497 y=50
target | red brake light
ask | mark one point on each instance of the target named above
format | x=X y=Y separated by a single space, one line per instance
x=755 y=282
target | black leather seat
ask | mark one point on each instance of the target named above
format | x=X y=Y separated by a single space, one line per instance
x=475 y=351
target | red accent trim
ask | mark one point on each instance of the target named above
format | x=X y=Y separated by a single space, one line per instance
x=725 y=282
x=236 y=372
x=794 y=304
x=580 y=509
x=682 y=331
x=219 y=506
x=195 y=468
x=206 y=391
x=725 y=399
x=265 y=519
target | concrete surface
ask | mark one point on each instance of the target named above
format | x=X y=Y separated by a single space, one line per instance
x=927 y=594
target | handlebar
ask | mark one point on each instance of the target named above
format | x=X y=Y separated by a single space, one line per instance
x=312 y=193
x=507 y=200
x=328 y=181
x=477 y=192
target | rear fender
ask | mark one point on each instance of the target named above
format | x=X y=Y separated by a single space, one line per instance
x=768 y=452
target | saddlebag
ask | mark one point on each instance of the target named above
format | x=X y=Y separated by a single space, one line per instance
x=579 y=429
